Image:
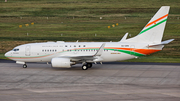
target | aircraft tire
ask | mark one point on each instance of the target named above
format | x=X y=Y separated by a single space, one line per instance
x=24 y=66
x=89 y=65
x=84 y=67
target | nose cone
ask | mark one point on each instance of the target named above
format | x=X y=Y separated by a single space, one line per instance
x=7 y=54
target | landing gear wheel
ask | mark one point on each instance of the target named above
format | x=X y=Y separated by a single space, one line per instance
x=84 y=67
x=89 y=65
x=24 y=66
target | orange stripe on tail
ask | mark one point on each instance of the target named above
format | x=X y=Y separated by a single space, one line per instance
x=154 y=22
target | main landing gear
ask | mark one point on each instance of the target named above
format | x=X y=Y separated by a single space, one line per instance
x=86 y=66
x=24 y=66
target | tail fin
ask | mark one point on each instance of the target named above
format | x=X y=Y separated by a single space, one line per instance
x=153 y=31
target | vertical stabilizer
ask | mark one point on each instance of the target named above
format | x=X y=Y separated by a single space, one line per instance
x=153 y=31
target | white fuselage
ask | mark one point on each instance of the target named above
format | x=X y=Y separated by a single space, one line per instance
x=44 y=52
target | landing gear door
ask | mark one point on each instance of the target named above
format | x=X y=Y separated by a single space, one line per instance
x=28 y=50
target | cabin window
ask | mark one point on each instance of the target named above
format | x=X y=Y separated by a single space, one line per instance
x=84 y=45
x=79 y=45
x=65 y=45
x=74 y=45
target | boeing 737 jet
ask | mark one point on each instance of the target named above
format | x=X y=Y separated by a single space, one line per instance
x=65 y=54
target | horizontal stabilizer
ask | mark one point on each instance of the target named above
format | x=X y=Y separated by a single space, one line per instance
x=162 y=43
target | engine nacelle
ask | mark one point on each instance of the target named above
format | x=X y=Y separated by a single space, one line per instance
x=61 y=62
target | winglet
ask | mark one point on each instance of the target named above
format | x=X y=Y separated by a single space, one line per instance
x=99 y=52
x=124 y=37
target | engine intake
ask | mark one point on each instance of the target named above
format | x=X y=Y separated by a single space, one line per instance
x=61 y=62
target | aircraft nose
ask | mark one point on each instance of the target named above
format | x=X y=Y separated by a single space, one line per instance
x=7 y=54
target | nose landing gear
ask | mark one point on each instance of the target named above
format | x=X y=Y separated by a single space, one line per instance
x=24 y=66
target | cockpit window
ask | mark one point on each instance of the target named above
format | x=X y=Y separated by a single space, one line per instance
x=15 y=49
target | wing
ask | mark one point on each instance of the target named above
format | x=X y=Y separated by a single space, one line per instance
x=87 y=58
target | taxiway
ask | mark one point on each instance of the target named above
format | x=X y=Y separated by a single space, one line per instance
x=108 y=82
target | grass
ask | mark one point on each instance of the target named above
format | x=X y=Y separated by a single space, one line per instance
x=2 y=56
x=71 y=20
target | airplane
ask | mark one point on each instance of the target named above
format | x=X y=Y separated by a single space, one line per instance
x=65 y=54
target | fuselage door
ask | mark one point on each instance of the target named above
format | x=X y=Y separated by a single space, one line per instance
x=28 y=50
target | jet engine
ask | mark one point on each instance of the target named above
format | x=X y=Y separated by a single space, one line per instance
x=61 y=62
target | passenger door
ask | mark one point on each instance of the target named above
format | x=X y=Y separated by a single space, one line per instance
x=28 y=50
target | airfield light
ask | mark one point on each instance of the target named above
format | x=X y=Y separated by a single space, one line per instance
x=26 y=25
x=20 y=26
